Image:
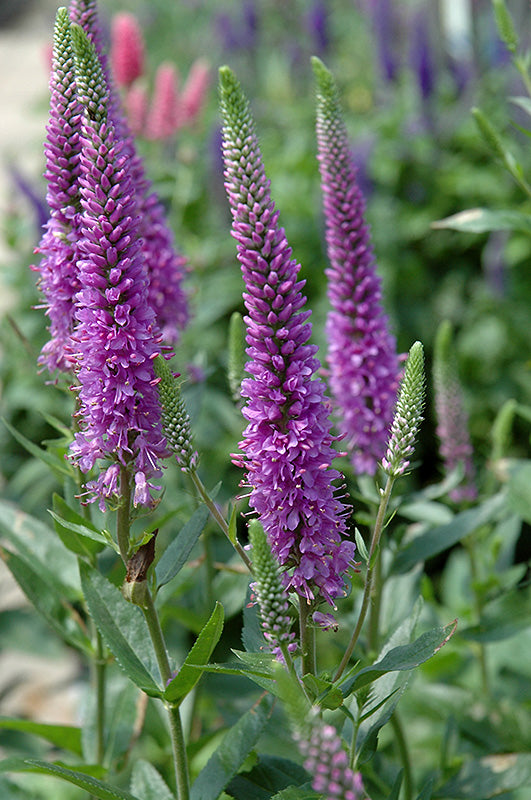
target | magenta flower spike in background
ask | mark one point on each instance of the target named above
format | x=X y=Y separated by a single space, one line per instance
x=116 y=333
x=362 y=356
x=163 y=118
x=327 y=761
x=166 y=267
x=127 y=49
x=58 y=276
x=287 y=444
x=455 y=446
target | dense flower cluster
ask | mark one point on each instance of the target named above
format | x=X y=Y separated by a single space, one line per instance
x=452 y=420
x=361 y=352
x=287 y=444
x=165 y=267
x=327 y=761
x=58 y=279
x=116 y=335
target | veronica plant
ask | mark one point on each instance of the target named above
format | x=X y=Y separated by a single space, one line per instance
x=287 y=444
x=361 y=351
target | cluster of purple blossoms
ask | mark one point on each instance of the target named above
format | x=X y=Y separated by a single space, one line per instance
x=59 y=279
x=116 y=333
x=109 y=272
x=455 y=446
x=166 y=267
x=327 y=761
x=287 y=444
x=362 y=359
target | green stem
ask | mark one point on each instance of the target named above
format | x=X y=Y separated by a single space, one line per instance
x=374 y=614
x=405 y=758
x=100 y=665
x=174 y=716
x=123 y=518
x=376 y=536
x=307 y=638
x=209 y=568
x=219 y=518
x=478 y=607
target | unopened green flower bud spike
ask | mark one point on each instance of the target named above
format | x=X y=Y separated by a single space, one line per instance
x=175 y=419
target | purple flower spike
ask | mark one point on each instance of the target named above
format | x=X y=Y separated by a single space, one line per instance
x=166 y=267
x=452 y=420
x=116 y=335
x=58 y=279
x=326 y=759
x=287 y=444
x=362 y=357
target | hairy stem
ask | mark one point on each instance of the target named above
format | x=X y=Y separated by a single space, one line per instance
x=174 y=717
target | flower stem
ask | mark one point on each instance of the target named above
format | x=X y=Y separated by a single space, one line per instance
x=123 y=519
x=307 y=639
x=401 y=744
x=174 y=716
x=99 y=666
x=216 y=514
x=375 y=542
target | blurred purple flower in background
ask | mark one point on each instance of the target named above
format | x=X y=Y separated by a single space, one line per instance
x=362 y=354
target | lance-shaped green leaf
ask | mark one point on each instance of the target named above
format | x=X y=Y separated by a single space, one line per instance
x=68 y=737
x=48 y=600
x=484 y=220
x=123 y=628
x=407 y=656
x=75 y=532
x=444 y=536
x=95 y=787
x=198 y=656
x=232 y=752
x=149 y=784
x=176 y=554
x=40 y=547
x=60 y=467
x=488 y=777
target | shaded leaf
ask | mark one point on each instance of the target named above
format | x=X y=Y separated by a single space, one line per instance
x=270 y=774
x=97 y=788
x=191 y=670
x=488 y=777
x=48 y=601
x=123 y=628
x=438 y=539
x=176 y=554
x=66 y=736
x=40 y=547
x=59 y=465
x=149 y=784
x=232 y=752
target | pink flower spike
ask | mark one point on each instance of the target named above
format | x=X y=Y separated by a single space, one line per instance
x=195 y=89
x=127 y=49
x=164 y=115
x=136 y=108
